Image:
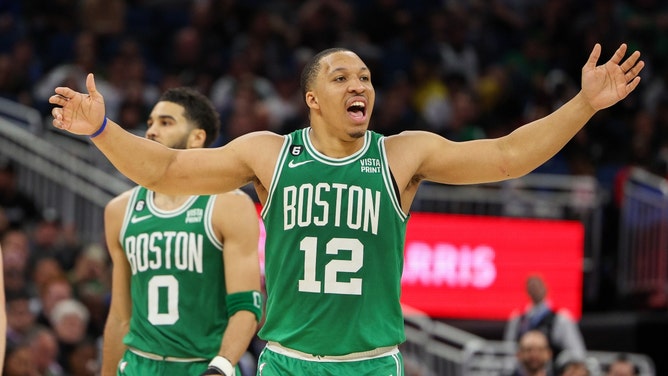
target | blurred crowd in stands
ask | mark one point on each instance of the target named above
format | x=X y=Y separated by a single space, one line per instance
x=463 y=68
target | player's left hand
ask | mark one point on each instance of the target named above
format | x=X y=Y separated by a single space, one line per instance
x=607 y=84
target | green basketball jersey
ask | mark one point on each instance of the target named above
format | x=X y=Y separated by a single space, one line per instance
x=333 y=250
x=178 y=281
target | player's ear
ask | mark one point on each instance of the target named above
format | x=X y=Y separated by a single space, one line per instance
x=196 y=138
x=312 y=101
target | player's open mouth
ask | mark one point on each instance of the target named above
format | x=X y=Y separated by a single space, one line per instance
x=357 y=110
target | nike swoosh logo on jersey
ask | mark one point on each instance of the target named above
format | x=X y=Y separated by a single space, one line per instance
x=294 y=164
x=136 y=219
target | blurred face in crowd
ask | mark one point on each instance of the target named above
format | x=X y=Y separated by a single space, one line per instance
x=536 y=289
x=534 y=353
x=47 y=233
x=621 y=368
x=54 y=292
x=19 y=316
x=15 y=243
x=575 y=369
x=83 y=360
x=44 y=349
x=46 y=269
x=70 y=328
x=19 y=362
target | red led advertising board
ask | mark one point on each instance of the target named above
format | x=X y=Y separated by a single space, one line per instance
x=475 y=267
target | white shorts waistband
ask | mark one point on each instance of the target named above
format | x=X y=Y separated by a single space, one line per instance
x=363 y=355
x=152 y=356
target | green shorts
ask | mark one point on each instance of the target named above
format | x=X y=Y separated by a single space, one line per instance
x=272 y=363
x=136 y=365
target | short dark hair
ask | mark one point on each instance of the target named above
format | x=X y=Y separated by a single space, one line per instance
x=198 y=109
x=623 y=358
x=312 y=68
x=21 y=294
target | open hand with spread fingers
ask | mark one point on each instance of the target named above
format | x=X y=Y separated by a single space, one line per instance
x=78 y=113
x=607 y=84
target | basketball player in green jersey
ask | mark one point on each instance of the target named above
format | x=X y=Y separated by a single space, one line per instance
x=186 y=277
x=336 y=198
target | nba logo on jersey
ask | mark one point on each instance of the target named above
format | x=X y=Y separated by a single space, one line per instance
x=296 y=150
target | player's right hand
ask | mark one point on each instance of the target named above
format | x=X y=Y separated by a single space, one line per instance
x=78 y=113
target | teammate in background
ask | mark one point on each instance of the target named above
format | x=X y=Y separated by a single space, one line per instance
x=562 y=331
x=336 y=198
x=186 y=278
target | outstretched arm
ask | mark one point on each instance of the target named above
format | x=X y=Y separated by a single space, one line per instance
x=146 y=162
x=526 y=148
x=602 y=86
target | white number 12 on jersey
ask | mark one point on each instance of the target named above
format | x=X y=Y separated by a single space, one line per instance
x=309 y=283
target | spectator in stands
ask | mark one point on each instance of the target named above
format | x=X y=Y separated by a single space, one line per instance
x=52 y=292
x=20 y=209
x=19 y=69
x=91 y=282
x=104 y=18
x=69 y=319
x=534 y=357
x=622 y=366
x=45 y=269
x=575 y=368
x=44 y=346
x=15 y=260
x=53 y=238
x=83 y=360
x=248 y=113
x=85 y=50
x=562 y=331
x=240 y=74
x=285 y=110
x=19 y=361
x=399 y=114
x=20 y=318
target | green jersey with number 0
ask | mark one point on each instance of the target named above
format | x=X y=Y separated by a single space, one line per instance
x=178 y=282
x=333 y=250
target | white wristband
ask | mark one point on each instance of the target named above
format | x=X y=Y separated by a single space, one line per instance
x=223 y=365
